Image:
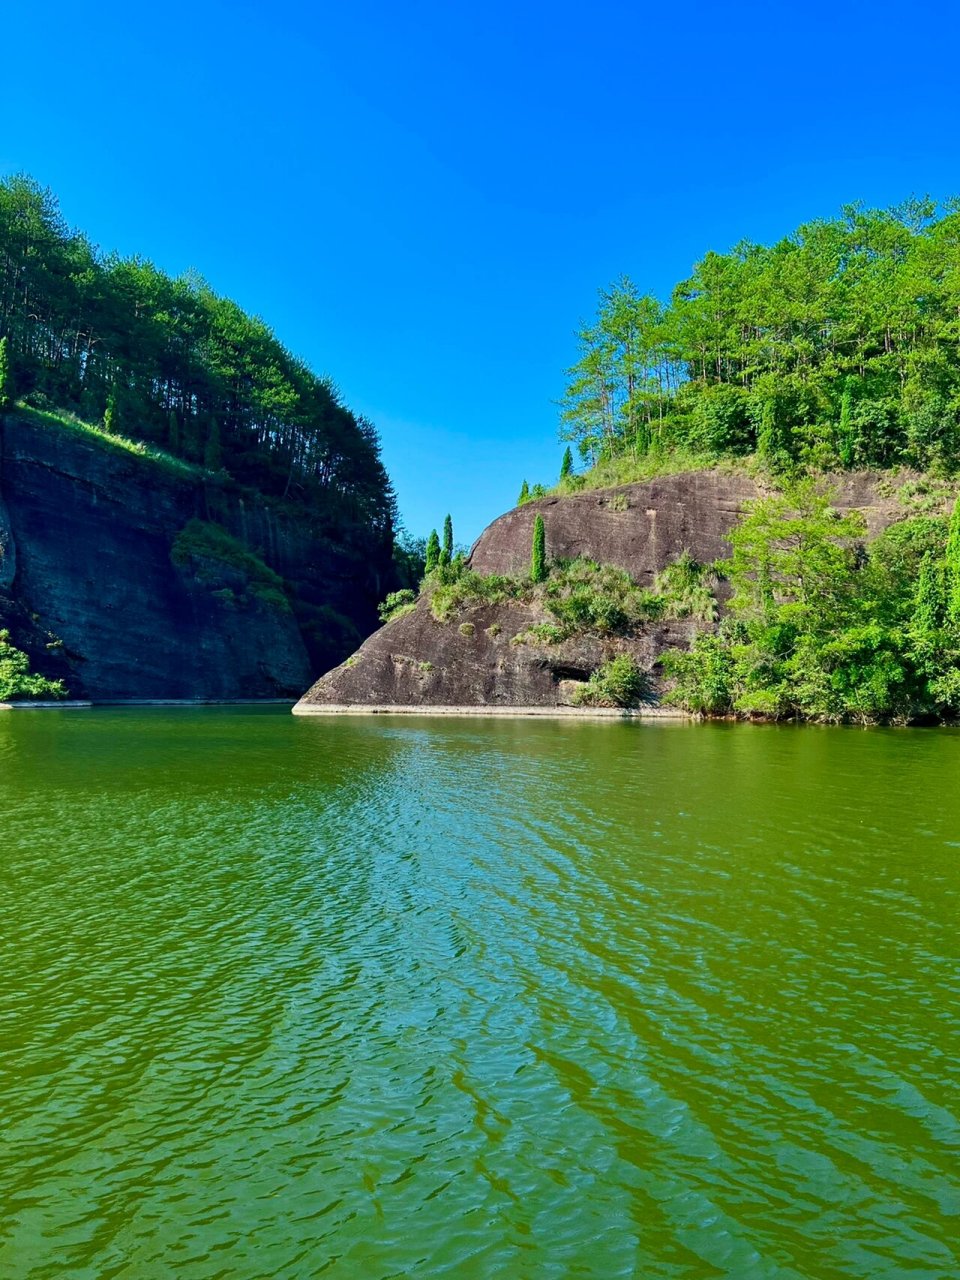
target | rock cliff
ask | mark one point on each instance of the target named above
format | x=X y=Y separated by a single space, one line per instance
x=476 y=658
x=91 y=589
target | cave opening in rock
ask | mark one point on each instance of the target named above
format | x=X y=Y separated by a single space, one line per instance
x=569 y=673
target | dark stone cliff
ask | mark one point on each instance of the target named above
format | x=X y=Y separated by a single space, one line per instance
x=90 y=589
x=473 y=659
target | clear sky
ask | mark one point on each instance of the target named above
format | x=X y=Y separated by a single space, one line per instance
x=423 y=198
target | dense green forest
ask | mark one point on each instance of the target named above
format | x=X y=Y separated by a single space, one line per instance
x=838 y=346
x=167 y=361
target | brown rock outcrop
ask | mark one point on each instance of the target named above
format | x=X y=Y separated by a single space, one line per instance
x=642 y=527
x=473 y=659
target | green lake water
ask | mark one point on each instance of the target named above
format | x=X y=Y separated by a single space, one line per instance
x=477 y=998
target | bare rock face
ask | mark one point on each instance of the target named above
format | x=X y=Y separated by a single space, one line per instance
x=476 y=658
x=90 y=591
x=642 y=527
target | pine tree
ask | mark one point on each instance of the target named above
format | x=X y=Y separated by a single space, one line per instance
x=524 y=494
x=433 y=551
x=538 y=558
x=446 y=553
x=6 y=377
x=212 y=456
x=566 y=466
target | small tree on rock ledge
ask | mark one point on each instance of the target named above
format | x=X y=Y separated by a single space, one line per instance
x=538 y=558
x=433 y=551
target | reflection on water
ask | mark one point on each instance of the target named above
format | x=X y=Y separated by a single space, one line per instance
x=372 y=998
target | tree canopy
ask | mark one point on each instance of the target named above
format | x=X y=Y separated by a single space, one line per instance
x=167 y=360
x=837 y=346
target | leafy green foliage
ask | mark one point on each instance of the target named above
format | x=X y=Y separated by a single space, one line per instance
x=409 y=559
x=16 y=679
x=686 y=588
x=538 y=555
x=566 y=466
x=584 y=596
x=66 y=421
x=835 y=346
x=202 y=546
x=621 y=682
x=397 y=604
x=822 y=627
x=524 y=494
x=119 y=342
x=212 y=452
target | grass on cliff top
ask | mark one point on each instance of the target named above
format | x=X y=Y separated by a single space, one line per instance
x=630 y=468
x=121 y=444
x=204 y=540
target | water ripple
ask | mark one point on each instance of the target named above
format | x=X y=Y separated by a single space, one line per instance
x=379 y=999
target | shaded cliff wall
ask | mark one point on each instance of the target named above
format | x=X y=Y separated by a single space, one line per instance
x=88 y=586
x=474 y=660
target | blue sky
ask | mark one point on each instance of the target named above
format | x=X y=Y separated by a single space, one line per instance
x=423 y=199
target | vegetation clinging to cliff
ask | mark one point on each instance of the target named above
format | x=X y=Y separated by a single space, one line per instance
x=203 y=543
x=17 y=681
x=834 y=347
x=168 y=362
x=822 y=627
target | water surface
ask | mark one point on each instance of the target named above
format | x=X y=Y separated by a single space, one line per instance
x=376 y=998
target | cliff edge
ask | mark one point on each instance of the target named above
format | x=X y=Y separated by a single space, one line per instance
x=131 y=579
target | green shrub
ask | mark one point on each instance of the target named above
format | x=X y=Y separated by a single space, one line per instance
x=541 y=633
x=621 y=682
x=686 y=587
x=703 y=676
x=469 y=588
x=16 y=679
x=467 y=629
x=585 y=596
x=397 y=604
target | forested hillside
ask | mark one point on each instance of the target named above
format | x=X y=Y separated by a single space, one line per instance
x=167 y=361
x=838 y=346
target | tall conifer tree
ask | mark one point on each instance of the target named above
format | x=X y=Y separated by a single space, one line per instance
x=433 y=551
x=538 y=556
